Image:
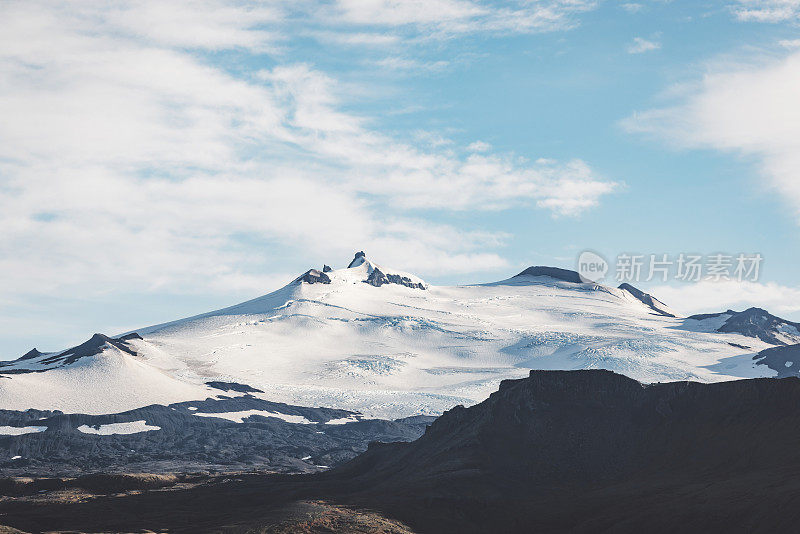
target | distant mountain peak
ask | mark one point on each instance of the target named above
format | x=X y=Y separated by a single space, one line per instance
x=33 y=353
x=564 y=275
x=753 y=322
x=359 y=259
x=91 y=347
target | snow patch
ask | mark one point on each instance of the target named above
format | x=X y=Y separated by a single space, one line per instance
x=20 y=430
x=343 y=420
x=239 y=417
x=133 y=427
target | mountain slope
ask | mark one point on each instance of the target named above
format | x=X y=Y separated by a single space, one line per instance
x=648 y=300
x=752 y=322
x=784 y=360
x=383 y=342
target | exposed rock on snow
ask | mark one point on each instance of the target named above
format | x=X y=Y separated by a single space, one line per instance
x=752 y=322
x=33 y=353
x=359 y=258
x=377 y=278
x=192 y=436
x=233 y=386
x=564 y=275
x=376 y=275
x=95 y=345
x=313 y=276
x=648 y=300
x=781 y=359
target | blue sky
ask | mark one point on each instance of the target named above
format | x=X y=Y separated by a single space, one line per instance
x=158 y=161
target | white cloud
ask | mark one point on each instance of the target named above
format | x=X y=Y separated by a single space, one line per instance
x=746 y=107
x=767 y=10
x=632 y=7
x=411 y=177
x=408 y=64
x=790 y=43
x=479 y=146
x=207 y=24
x=448 y=17
x=358 y=38
x=129 y=159
x=641 y=45
x=707 y=296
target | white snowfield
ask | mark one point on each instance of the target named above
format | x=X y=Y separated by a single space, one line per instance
x=239 y=417
x=20 y=430
x=388 y=351
x=132 y=427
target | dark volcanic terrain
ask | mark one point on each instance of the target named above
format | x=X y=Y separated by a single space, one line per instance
x=580 y=451
x=190 y=438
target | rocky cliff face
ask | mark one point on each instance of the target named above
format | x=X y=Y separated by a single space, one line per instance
x=562 y=449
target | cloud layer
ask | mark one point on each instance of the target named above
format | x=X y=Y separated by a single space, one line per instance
x=709 y=296
x=767 y=10
x=749 y=107
x=135 y=152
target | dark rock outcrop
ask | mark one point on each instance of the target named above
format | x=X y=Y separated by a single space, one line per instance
x=359 y=258
x=326 y=268
x=754 y=322
x=313 y=276
x=377 y=278
x=232 y=386
x=564 y=275
x=186 y=441
x=91 y=347
x=785 y=360
x=33 y=353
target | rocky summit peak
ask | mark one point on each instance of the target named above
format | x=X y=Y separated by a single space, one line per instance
x=359 y=259
x=557 y=273
x=313 y=276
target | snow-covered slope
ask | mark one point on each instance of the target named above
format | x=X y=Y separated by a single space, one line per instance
x=387 y=345
x=649 y=300
x=752 y=322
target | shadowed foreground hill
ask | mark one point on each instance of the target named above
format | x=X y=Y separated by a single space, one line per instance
x=558 y=451
x=594 y=450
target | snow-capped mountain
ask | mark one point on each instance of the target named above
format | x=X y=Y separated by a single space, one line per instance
x=383 y=342
x=752 y=323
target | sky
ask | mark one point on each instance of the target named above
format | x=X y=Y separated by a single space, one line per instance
x=162 y=159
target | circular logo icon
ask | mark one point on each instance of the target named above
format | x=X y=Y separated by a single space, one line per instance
x=592 y=267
